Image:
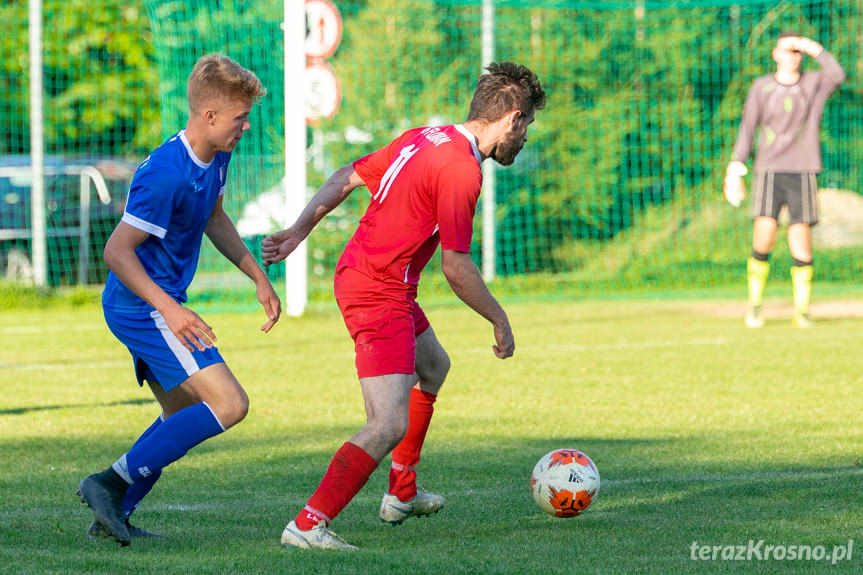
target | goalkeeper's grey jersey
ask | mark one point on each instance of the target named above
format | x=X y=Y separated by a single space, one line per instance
x=788 y=118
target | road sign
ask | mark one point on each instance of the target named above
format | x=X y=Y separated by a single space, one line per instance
x=323 y=93
x=323 y=29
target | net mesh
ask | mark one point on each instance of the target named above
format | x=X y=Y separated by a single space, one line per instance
x=618 y=188
x=98 y=117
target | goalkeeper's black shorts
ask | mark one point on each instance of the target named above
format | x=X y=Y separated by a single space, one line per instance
x=776 y=189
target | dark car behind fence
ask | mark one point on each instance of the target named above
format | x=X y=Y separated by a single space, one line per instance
x=84 y=200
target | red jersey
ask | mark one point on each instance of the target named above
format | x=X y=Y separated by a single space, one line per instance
x=424 y=186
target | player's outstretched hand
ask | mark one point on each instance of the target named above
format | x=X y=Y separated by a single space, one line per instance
x=271 y=302
x=278 y=246
x=505 y=346
x=190 y=329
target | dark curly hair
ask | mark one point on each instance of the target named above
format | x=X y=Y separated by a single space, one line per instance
x=504 y=88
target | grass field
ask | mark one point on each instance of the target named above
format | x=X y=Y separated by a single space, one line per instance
x=703 y=431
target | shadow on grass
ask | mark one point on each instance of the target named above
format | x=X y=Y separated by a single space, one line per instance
x=26 y=410
x=232 y=496
x=463 y=465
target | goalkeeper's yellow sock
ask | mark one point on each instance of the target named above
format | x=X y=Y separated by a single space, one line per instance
x=757 y=272
x=801 y=285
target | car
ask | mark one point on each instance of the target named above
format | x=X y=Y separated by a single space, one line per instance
x=84 y=199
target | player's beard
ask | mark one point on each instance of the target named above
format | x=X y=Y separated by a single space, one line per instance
x=504 y=152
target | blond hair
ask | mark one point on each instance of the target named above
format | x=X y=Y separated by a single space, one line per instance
x=217 y=77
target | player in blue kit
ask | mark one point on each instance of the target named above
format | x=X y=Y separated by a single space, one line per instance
x=175 y=197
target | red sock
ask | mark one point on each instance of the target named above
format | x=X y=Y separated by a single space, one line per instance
x=406 y=455
x=348 y=472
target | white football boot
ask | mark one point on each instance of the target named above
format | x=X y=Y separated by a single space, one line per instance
x=318 y=537
x=395 y=511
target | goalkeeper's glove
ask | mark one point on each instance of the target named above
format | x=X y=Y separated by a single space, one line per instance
x=733 y=187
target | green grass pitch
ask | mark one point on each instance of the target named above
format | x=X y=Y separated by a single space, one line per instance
x=703 y=431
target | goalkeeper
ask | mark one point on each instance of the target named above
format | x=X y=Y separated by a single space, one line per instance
x=787 y=107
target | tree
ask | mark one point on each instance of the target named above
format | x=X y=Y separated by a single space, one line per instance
x=101 y=83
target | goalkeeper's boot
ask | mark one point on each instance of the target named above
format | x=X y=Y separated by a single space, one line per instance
x=802 y=320
x=104 y=492
x=96 y=531
x=395 y=511
x=318 y=537
x=754 y=317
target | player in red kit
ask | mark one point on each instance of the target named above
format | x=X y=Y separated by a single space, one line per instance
x=424 y=187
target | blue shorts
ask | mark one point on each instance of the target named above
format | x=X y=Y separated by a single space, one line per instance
x=158 y=355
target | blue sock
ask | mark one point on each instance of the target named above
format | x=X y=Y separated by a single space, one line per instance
x=169 y=442
x=141 y=488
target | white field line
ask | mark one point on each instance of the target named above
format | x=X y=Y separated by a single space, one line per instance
x=637 y=344
x=59 y=365
x=690 y=342
x=618 y=345
x=66 y=366
x=20 y=329
x=721 y=477
x=621 y=345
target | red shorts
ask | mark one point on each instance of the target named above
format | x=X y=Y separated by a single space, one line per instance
x=384 y=326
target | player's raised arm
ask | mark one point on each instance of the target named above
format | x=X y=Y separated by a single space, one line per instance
x=336 y=189
x=467 y=283
x=222 y=232
x=800 y=44
x=830 y=67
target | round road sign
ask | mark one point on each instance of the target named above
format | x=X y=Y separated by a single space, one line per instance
x=323 y=28
x=323 y=93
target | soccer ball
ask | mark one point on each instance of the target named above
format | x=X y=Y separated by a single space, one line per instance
x=564 y=483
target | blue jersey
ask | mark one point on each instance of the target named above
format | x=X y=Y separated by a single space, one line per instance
x=171 y=197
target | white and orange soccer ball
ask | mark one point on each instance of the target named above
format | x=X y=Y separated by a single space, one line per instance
x=564 y=483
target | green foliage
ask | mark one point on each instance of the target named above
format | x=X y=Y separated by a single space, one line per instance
x=408 y=88
x=14 y=82
x=644 y=101
x=99 y=74
x=643 y=107
x=643 y=113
